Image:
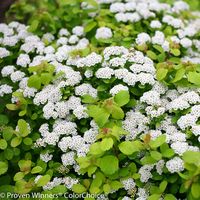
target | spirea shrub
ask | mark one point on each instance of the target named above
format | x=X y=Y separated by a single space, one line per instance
x=109 y=108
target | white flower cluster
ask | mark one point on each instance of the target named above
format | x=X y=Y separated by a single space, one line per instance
x=4 y=52
x=142 y=68
x=61 y=101
x=89 y=61
x=117 y=88
x=23 y=60
x=67 y=181
x=175 y=165
x=49 y=93
x=151 y=98
x=142 y=38
x=159 y=166
x=84 y=89
x=155 y=112
x=103 y=33
x=46 y=157
x=7 y=70
x=135 y=123
x=145 y=173
x=66 y=43
x=138 y=10
x=128 y=184
x=5 y=89
x=68 y=158
x=142 y=194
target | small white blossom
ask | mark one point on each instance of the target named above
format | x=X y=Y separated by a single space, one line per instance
x=175 y=165
x=103 y=33
x=155 y=24
x=78 y=30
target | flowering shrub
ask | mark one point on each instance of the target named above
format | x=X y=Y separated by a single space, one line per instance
x=167 y=33
x=104 y=107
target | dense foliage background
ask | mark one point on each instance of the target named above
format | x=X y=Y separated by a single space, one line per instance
x=102 y=98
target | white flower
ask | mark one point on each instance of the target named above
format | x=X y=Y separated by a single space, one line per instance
x=166 y=46
x=4 y=52
x=65 y=143
x=151 y=98
x=63 y=32
x=175 y=39
x=77 y=143
x=62 y=109
x=82 y=43
x=146 y=67
x=5 y=89
x=155 y=24
x=178 y=104
x=80 y=112
x=62 y=41
x=17 y=76
x=63 y=127
x=68 y=158
x=84 y=89
x=49 y=50
x=159 y=166
x=155 y=112
x=69 y=182
x=176 y=23
x=175 y=165
x=195 y=110
x=118 y=88
x=89 y=61
x=46 y=157
x=7 y=70
x=130 y=6
x=142 y=193
x=88 y=73
x=105 y=73
x=6 y=30
x=90 y=136
x=130 y=78
x=117 y=62
x=191 y=97
x=23 y=60
x=135 y=123
x=29 y=92
x=128 y=184
x=142 y=38
x=73 y=102
x=179 y=147
x=55 y=182
x=117 y=7
x=180 y=6
x=73 y=39
x=186 y=43
x=145 y=173
x=187 y=120
x=103 y=33
x=48 y=36
x=154 y=134
x=10 y=41
x=158 y=38
x=145 y=78
x=196 y=130
x=126 y=198
x=114 y=50
x=49 y=111
x=177 y=136
x=78 y=30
